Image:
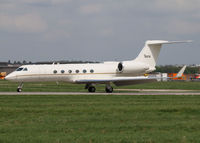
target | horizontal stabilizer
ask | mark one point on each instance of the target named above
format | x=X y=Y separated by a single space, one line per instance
x=158 y=42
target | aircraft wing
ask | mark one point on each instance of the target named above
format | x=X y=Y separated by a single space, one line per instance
x=120 y=81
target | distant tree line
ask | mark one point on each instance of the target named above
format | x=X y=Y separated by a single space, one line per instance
x=64 y=62
x=19 y=62
x=24 y=62
x=162 y=69
x=175 y=69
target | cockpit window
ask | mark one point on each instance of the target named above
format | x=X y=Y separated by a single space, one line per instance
x=25 y=69
x=19 y=69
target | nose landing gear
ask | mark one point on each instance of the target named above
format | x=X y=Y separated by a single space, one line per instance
x=19 y=88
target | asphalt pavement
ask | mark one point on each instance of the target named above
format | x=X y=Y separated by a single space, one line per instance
x=96 y=93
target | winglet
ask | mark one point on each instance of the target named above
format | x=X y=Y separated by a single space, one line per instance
x=180 y=73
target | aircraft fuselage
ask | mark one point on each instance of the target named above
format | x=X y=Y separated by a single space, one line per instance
x=72 y=72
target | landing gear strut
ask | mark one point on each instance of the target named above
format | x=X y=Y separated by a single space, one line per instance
x=19 y=88
x=109 y=88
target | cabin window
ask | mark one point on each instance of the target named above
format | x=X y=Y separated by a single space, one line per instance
x=19 y=69
x=25 y=69
x=84 y=71
x=55 y=71
x=62 y=71
x=77 y=71
x=69 y=71
x=92 y=71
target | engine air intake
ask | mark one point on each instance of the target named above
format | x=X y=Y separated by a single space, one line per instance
x=120 y=67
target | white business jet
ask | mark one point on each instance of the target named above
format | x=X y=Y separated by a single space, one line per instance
x=120 y=73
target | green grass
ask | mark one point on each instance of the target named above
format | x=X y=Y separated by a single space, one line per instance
x=98 y=119
x=186 y=85
x=67 y=87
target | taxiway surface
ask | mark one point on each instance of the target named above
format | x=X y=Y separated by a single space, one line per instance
x=86 y=93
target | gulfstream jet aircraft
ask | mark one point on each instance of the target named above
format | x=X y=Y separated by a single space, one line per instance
x=119 y=73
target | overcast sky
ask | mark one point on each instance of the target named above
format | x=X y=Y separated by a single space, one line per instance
x=98 y=30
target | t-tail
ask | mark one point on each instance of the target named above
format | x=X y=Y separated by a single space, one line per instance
x=151 y=51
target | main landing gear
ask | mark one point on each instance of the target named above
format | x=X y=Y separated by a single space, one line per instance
x=91 y=88
x=19 y=88
x=109 y=88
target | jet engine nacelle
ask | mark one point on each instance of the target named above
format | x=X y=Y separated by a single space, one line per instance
x=132 y=67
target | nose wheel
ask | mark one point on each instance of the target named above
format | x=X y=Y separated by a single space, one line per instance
x=19 y=88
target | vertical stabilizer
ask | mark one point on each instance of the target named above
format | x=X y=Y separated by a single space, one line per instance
x=151 y=51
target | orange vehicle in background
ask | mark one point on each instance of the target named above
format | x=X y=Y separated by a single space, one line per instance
x=173 y=76
x=2 y=75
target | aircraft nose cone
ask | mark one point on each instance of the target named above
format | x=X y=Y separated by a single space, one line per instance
x=10 y=77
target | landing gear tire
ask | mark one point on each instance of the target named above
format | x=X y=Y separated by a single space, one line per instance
x=109 y=89
x=91 y=89
x=19 y=90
